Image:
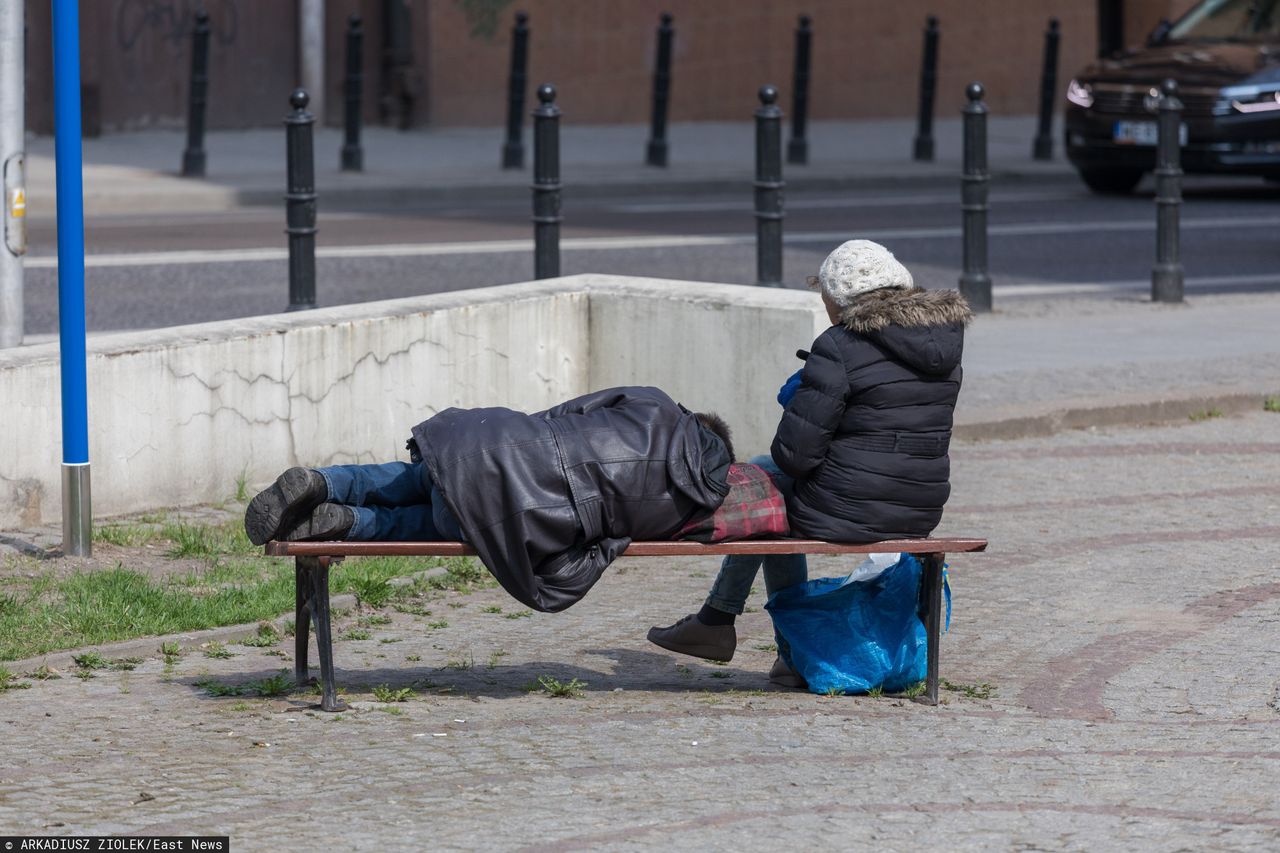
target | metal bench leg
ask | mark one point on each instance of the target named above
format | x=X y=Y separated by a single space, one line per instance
x=931 y=588
x=324 y=637
x=302 y=585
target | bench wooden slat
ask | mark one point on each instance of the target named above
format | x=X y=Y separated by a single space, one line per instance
x=636 y=549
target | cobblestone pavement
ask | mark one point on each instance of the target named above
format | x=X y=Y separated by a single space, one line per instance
x=1111 y=672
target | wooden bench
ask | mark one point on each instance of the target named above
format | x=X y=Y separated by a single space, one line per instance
x=313 y=559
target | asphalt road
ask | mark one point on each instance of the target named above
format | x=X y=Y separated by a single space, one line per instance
x=1047 y=238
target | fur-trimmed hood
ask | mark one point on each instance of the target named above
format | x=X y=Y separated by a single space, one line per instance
x=913 y=306
x=924 y=328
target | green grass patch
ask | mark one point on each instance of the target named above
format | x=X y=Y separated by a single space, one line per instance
x=492 y=608
x=92 y=608
x=972 y=691
x=767 y=647
x=462 y=574
x=355 y=634
x=385 y=693
x=1271 y=404
x=126 y=534
x=206 y=541
x=94 y=660
x=1204 y=415
x=519 y=614
x=557 y=689
x=43 y=673
x=8 y=681
x=914 y=690
x=218 y=651
x=242 y=486
x=275 y=685
x=265 y=637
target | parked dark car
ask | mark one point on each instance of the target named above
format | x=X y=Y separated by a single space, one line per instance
x=1225 y=56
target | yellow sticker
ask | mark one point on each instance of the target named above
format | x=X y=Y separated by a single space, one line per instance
x=18 y=204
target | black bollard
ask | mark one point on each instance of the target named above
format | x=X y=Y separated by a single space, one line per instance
x=193 y=157
x=975 y=284
x=546 y=184
x=769 y=186
x=798 y=146
x=1042 y=148
x=1166 y=275
x=300 y=203
x=656 y=154
x=352 y=153
x=928 y=86
x=513 y=148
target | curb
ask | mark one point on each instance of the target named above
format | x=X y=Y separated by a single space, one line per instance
x=210 y=197
x=1137 y=412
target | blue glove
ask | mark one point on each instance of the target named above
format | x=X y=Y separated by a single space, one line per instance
x=789 y=388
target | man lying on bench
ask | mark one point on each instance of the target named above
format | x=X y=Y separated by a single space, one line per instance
x=547 y=500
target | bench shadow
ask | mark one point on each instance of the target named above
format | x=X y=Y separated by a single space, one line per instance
x=620 y=669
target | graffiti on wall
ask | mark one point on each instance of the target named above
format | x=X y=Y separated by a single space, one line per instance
x=173 y=20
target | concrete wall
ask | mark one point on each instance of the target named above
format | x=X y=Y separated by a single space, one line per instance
x=177 y=415
x=714 y=347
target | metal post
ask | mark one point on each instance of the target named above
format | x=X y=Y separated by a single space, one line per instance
x=546 y=184
x=12 y=173
x=656 y=155
x=352 y=153
x=311 y=15
x=513 y=148
x=300 y=203
x=975 y=284
x=928 y=86
x=768 y=187
x=1042 y=148
x=193 y=157
x=77 y=511
x=798 y=146
x=1166 y=275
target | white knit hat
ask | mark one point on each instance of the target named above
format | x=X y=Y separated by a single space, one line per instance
x=860 y=266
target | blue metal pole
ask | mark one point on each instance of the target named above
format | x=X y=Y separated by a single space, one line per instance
x=76 y=514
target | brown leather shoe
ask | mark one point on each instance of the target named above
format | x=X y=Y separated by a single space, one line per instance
x=784 y=676
x=691 y=637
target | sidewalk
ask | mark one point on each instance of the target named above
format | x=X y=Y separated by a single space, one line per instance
x=137 y=172
x=1109 y=685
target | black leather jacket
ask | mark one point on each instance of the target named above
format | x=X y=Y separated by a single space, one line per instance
x=548 y=500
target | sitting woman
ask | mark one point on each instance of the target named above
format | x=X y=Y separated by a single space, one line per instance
x=861 y=451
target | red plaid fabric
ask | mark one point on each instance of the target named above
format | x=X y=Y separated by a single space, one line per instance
x=754 y=508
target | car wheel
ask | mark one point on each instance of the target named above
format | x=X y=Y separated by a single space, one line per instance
x=1111 y=181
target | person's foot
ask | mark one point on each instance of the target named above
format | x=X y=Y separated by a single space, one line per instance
x=784 y=676
x=277 y=509
x=690 y=637
x=326 y=523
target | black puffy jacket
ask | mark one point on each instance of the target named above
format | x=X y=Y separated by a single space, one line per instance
x=867 y=433
x=548 y=500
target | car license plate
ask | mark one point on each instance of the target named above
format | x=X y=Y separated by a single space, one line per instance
x=1142 y=133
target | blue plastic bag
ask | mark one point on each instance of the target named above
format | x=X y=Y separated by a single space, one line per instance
x=854 y=636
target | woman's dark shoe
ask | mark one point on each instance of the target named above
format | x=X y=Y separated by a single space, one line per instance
x=277 y=509
x=326 y=523
x=784 y=676
x=691 y=637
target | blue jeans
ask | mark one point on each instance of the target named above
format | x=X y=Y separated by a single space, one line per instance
x=393 y=501
x=737 y=573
